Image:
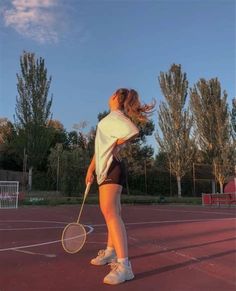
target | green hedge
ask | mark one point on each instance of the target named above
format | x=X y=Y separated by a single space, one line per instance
x=125 y=199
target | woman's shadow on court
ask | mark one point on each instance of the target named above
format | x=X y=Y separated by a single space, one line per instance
x=190 y=262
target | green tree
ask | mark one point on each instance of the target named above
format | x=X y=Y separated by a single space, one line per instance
x=59 y=133
x=234 y=115
x=68 y=161
x=8 y=158
x=91 y=142
x=213 y=128
x=66 y=168
x=72 y=139
x=33 y=111
x=175 y=123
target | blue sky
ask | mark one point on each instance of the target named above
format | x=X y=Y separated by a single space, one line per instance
x=91 y=48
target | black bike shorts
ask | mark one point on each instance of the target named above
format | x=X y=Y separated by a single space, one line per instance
x=115 y=174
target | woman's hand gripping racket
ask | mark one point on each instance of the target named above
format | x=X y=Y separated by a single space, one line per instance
x=74 y=234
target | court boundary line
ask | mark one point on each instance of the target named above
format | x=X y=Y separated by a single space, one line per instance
x=187 y=211
x=44 y=221
x=36 y=253
x=41 y=244
x=31 y=228
x=91 y=229
x=32 y=221
x=169 y=221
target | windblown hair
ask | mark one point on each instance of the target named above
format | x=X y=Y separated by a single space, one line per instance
x=131 y=105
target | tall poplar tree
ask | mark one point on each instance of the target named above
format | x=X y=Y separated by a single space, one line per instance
x=33 y=110
x=213 y=127
x=175 y=123
x=234 y=115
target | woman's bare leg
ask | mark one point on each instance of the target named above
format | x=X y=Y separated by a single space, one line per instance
x=109 y=239
x=109 y=196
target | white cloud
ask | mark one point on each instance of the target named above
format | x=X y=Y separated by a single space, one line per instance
x=35 y=19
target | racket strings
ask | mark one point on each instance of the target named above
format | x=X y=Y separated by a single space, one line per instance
x=74 y=234
x=73 y=237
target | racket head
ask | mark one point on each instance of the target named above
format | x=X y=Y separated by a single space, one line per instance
x=73 y=237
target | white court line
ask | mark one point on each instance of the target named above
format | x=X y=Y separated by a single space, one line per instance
x=169 y=221
x=31 y=228
x=38 y=221
x=38 y=254
x=187 y=211
x=32 y=221
x=40 y=244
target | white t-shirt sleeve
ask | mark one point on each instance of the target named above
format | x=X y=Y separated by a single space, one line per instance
x=124 y=129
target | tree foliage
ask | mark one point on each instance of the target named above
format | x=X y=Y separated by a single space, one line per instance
x=67 y=167
x=8 y=157
x=212 y=127
x=234 y=115
x=6 y=130
x=68 y=162
x=33 y=110
x=59 y=134
x=175 y=123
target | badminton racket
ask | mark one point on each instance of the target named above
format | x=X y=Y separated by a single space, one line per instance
x=74 y=234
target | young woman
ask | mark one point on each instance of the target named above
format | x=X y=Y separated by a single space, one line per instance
x=113 y=132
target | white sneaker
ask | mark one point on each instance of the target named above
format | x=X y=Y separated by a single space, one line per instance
x=119 y=273
x=103 y=258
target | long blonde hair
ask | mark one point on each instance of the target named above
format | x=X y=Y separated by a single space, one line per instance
x=129 y=102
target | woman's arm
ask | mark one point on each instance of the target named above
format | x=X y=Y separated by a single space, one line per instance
x=122 y=141
x=89 y=176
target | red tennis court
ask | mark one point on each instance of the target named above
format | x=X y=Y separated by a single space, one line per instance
x=170 y=247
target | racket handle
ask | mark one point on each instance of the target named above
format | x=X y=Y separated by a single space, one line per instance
x=87 y=190
x=85 y=195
